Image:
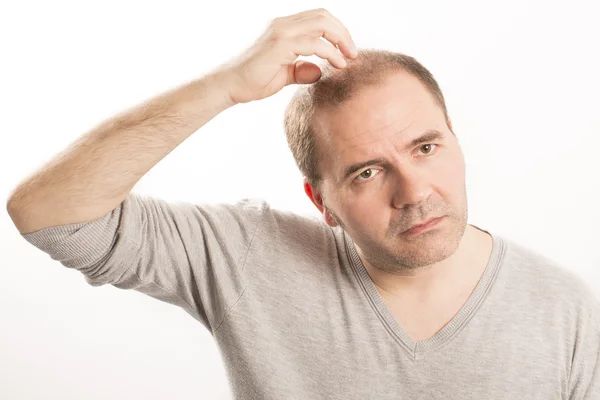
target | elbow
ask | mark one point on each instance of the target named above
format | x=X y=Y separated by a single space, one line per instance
x=18 y=213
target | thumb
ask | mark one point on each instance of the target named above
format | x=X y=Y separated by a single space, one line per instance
x=303 y=72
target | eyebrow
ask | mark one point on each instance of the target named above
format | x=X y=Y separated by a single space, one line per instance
x=429 y=136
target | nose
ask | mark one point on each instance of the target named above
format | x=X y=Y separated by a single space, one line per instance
x=411 y=187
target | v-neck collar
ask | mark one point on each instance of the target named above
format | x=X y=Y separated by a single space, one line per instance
x=418 y=349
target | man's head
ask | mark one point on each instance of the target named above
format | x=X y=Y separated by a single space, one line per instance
x=386 y=107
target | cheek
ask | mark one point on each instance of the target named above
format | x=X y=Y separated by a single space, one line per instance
x=374 y=217
x=366 y=215
x=451 y=181
x=450 y=169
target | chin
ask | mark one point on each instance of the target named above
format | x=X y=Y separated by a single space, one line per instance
x=418 y=255
x=419 y=251
x=431 y=246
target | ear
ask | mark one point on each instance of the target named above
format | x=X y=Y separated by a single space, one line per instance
x=316 y=198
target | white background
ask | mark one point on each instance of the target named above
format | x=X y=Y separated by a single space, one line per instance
x=522 y=87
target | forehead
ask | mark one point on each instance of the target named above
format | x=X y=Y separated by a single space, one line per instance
x=394 y=113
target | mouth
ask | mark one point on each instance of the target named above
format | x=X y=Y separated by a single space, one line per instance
x=415 y=230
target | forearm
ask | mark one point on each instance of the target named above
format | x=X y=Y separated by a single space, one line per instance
x=96 y=172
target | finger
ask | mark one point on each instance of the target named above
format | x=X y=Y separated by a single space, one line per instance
x=346 y=34
x=326 y=26
x=304 y=14
x=324 y=12
x=303 y=72
x=309 y=45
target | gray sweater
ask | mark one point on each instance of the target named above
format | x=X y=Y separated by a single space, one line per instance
x=296 y=316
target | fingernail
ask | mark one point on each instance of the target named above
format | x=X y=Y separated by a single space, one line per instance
x=353 y=46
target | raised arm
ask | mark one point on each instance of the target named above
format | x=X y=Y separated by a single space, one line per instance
x=96 y=172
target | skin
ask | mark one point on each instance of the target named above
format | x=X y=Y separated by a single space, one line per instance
x=416 y=182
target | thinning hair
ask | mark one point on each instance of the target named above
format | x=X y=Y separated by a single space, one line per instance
x=370 y=68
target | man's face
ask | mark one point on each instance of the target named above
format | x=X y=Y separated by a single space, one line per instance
x=409 y=183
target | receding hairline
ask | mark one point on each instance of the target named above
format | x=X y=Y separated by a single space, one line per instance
x=371 y=68
x=321 y=138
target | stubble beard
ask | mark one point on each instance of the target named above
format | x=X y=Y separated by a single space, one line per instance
x=403 y=256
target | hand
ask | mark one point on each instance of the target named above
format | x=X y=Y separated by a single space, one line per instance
x=270 y=63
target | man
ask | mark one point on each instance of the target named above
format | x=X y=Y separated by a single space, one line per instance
x=391 y=295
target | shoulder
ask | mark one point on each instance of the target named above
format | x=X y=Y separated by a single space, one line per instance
x=294 y=227
x=537 y=269
x=544 y=281
x=294 y=235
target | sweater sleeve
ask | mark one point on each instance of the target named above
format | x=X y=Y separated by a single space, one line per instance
x=184 y=254
x=584 y=379
x=592 y=386
x=593 y=390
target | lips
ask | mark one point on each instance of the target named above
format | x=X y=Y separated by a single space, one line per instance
x=422 y=224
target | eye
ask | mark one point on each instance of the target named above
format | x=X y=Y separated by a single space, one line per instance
x=429 y=147
x=366 y=174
